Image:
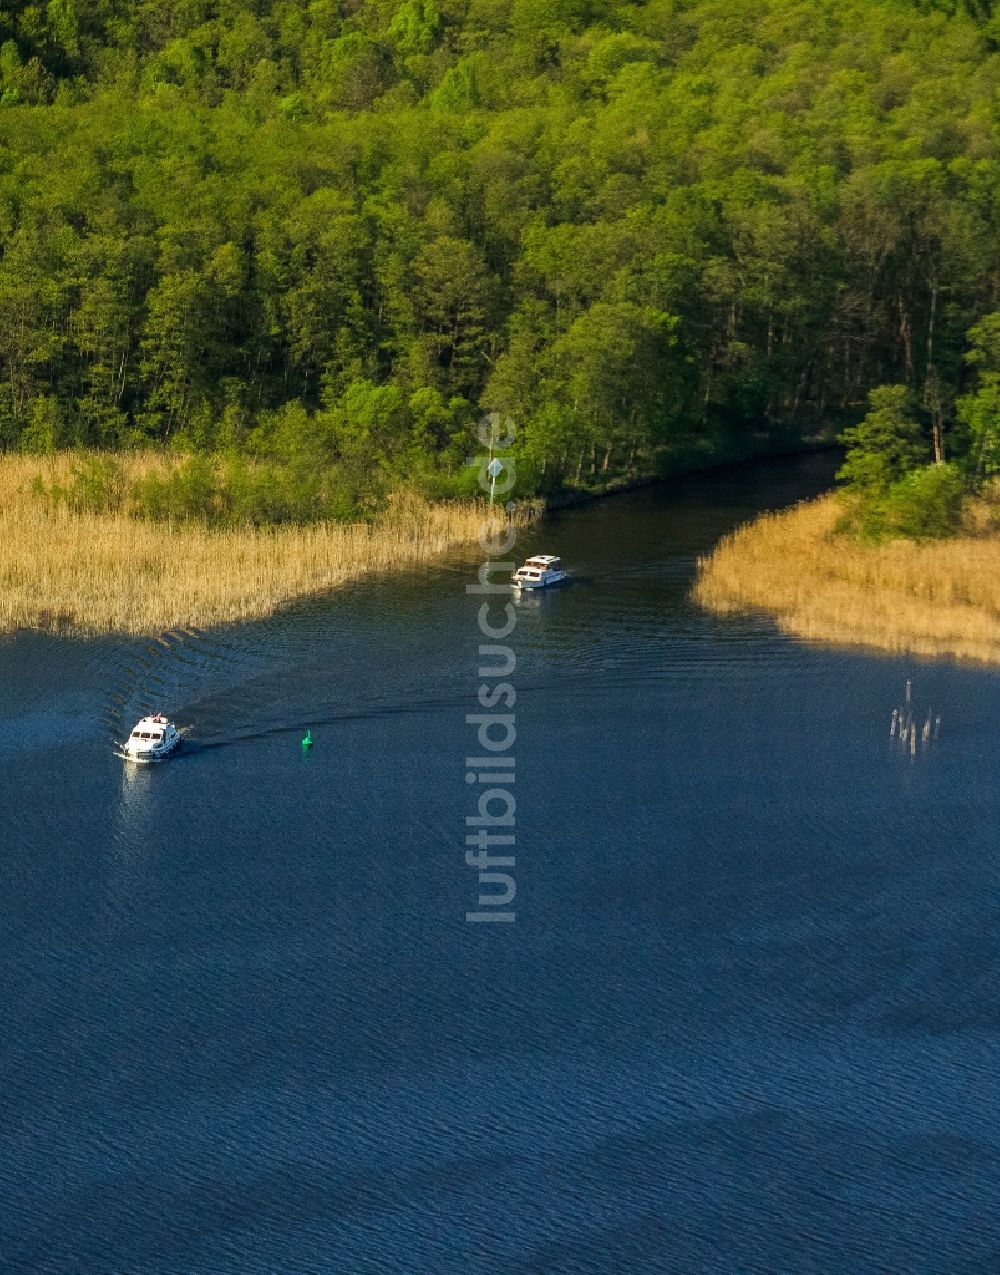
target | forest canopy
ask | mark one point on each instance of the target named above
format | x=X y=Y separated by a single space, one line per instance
x=334 y=233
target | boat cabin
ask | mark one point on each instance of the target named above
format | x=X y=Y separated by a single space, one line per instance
x=151 y=739
x=151 y=729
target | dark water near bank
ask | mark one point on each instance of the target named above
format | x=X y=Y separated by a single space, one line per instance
x=746 y=1020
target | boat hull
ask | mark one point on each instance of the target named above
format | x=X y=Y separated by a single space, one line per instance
x=530 y=585
x=147 y=756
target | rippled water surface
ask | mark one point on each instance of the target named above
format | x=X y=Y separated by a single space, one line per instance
x=746 y=1019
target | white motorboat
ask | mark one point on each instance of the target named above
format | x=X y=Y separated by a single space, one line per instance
x=152 y=739
x=539 y=572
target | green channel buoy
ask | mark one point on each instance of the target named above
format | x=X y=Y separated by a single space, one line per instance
x=307 y=741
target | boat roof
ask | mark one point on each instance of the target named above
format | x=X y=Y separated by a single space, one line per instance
x=541 y=559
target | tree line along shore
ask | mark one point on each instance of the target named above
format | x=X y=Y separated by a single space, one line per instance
x=263 y=265
x=906 y=556
x=329 y=235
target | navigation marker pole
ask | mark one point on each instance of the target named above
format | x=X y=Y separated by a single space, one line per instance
x=494 y=469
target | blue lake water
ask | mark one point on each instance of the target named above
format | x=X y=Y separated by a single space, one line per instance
x=746 y=1019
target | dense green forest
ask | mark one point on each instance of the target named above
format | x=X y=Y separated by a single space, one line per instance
x=333 y=233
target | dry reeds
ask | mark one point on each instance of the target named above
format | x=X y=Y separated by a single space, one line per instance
x=928 y=597
x=97 y=573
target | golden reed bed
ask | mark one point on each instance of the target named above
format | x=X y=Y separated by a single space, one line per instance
x=99 y=573
x=928 y=598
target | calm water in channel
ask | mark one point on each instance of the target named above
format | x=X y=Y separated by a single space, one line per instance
x=746 y=1020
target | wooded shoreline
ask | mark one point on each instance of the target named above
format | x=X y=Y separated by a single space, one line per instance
x=321 y=235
